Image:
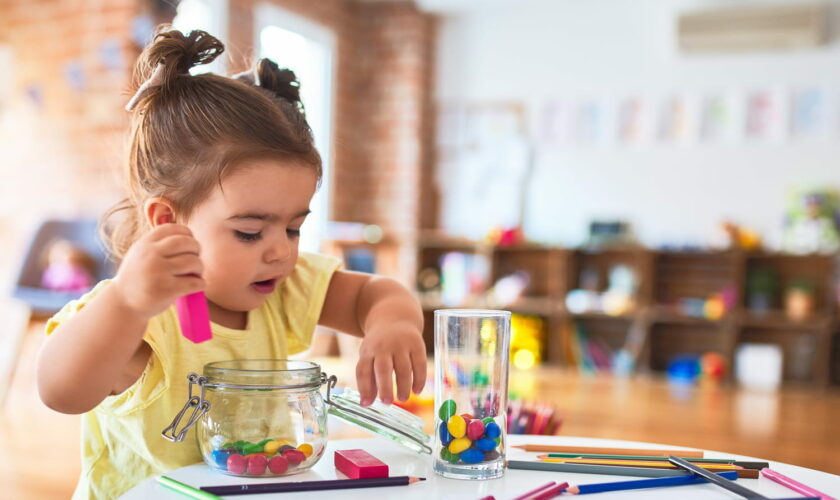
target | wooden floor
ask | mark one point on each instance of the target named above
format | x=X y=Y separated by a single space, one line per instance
x=39 y=458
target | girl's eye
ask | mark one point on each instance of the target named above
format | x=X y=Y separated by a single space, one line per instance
x=293 y=233
x=248 y=236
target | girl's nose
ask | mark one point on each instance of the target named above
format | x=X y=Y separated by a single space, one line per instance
x=280 y=250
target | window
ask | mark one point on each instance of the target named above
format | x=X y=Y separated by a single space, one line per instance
x=306 y=48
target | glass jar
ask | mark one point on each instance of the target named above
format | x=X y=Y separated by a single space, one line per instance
x=266 y=417
x=471 y=380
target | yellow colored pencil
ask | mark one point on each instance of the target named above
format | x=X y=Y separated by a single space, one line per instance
x=637 y=463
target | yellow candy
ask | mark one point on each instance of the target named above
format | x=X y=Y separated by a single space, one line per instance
x=459 y=445
x=271 y=447
x=457 y=426
x=306 y=448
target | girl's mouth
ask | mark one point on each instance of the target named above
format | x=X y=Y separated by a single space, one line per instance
x=266 y=286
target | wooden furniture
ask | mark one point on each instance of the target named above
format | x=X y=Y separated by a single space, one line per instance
x=668 y=281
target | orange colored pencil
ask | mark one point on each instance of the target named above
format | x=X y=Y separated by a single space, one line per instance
x=589 y=450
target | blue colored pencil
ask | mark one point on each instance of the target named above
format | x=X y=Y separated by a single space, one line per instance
x=644 y=483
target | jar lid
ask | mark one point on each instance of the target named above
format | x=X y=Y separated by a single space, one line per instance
x=391 y=422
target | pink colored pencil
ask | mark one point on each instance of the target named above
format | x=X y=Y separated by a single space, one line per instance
x=531 y=493
x=793 y=484
x=551 y=492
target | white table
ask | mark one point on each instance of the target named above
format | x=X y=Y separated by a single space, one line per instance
x=403 y=462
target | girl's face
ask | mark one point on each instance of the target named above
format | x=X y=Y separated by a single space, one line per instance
x=248 y=229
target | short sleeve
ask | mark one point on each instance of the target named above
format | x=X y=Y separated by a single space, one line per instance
x=74 y=306
x=302 y=297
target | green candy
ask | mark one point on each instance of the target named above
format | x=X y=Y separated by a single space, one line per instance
x=262 y=443
x=252 y=448
x=447 y=409
x=447 y=455
x=487 y=420
x=498 y=440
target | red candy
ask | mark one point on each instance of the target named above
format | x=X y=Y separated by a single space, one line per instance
x=294 y=456
x=475 y=429
x=278 y=464
x=256 y=464
x=236 y=464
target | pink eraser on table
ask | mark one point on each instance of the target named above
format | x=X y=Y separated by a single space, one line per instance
x=359 y=464
x=194 y=317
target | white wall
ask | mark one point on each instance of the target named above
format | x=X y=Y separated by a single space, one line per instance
x=536 y=51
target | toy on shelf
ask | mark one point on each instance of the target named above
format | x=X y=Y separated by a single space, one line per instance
x=508 y=289
x=505 y=237
x=762 y=286
x=799 y=299
x=741 y=237
x=710 y=367
x=609 y=233
x=811 y=225
x=616 y=300
x=68 y=268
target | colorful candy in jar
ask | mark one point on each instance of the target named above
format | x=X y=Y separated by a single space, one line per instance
x=273 y=456
x=466 y=439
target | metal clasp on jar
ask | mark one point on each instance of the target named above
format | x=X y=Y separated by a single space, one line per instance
x=199 y=405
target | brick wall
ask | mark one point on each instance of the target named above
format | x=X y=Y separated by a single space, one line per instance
x=61 y=138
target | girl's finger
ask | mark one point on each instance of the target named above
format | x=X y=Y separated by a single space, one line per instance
x=178 y=245
x=365 y=380
x=403 y=370
x=383 y=367
x=185 y=265
x=418 y=365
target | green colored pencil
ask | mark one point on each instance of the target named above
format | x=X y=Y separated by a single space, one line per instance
x=732 y=461
x=186 y=489
x=612 y=470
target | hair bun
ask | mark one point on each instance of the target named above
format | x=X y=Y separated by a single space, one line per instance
x=177 y=53
x=280 y=81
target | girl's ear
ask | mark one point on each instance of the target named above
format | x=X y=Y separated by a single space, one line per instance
x=158 y=211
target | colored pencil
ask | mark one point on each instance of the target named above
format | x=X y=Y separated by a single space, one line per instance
x=551 y=492
x=186 y=489
x=793 y=484
x=336 y=484
x=533 y=492
x=732 y=461
x=609 y=451
x=638 y=484
x=723 y=483
x=744 y=473
x=611 y=470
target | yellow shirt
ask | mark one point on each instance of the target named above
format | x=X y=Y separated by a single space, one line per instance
x=121 y=438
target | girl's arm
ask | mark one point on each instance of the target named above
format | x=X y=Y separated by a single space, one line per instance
x=389 y=319
x=100 y=350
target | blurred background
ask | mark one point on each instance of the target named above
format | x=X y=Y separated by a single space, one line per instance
x=651 y=187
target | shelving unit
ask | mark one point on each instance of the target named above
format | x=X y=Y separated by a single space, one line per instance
x=665 y=280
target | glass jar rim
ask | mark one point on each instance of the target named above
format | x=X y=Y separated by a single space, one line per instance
x=472 y=313
x=263 y=374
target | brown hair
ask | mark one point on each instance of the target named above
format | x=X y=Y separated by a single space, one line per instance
x=187 y=131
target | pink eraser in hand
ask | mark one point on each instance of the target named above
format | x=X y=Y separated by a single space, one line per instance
x=359 y=464
x=194 y=317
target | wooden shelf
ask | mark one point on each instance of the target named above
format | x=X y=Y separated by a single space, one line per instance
x=779 y=320
x=655 y=329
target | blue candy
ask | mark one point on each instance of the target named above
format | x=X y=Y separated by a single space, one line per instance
x=472 y=456
x=485 y=444
x=445 y=436
x=492 y=430
x=219 y=458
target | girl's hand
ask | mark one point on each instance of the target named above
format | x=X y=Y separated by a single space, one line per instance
x=158 y=268
x=393 y=348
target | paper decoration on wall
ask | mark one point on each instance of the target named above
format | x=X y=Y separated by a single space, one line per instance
x=811 y=115
x=111 y=57
x=767 y=115
x=557 y=123
x=722 y=117
x=679 y=120
x=635 y=121
x=594 y=123
x=74 y=75
x=142 y=29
